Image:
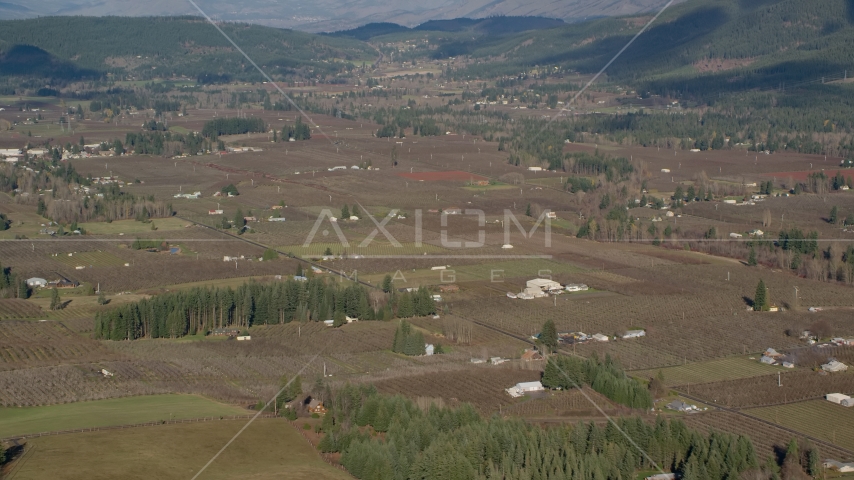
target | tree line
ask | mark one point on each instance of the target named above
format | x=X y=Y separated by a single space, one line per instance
x=199 y=310
x=233 y=126
x=390 y=437
x=606 y=377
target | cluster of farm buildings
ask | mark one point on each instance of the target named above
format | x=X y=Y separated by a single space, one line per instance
x=542 y=287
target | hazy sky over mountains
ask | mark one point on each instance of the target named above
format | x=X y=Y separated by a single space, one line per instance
x=330 y=15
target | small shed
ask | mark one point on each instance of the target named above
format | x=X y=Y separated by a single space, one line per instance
x=600 y=338
x=834 y=366
x=838 y=398
x=839 y=466
x=634 y=334
x=429 y=349
x=524 y=388
x=36 y=282
x=662 y=476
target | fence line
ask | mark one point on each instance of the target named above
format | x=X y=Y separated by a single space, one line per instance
x=325 y=456
x=134 y=425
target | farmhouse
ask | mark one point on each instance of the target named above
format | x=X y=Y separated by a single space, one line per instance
x=543 y=284
x=768 y=360
x=834 y=366
x=524 y=388
x=244 y=337
x=662 y=476
x=681 y=406
x=535 y=169
x=36 y=282
x=225 y=332
x=840 y=399
x=634 y=334
x=316 y=406
x=532 y=292
x=64 y=283
x=531 y=355
x=214 y=212
x=577 y=287
x=839 y=466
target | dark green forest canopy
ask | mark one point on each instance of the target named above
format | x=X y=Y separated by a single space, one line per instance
x=199 y=310
x=160 y=46
x=460 y=444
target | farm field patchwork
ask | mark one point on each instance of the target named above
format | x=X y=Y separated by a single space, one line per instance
x=116 y=411
x=711 y=371
x=817 y=418
x=175 y=452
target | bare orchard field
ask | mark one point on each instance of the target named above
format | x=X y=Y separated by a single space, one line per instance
x=768 y=439
x=30 y=344
x=817 y=418
x=482 y=386
x=762 y=391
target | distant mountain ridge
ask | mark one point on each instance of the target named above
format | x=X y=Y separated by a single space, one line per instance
x=333 y=15
x=488 y=26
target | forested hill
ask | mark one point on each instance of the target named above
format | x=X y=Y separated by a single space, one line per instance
x=701 y=44
x=499 y=25
x=79 y=47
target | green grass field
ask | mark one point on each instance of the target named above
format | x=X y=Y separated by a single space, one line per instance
x=87 y=259
x=376 y=247
x=118 y=411
x=818 y=418
x=132 y=226
x=712 y=371
x=268 y=449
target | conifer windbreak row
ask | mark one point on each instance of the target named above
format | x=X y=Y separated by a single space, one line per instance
x=198 y=310
x=605 y=377
x=459 y=444
x=407 y=340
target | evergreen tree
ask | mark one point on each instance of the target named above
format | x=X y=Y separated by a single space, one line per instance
x=528 y=210
x=760 y=300
x=751 y=259
x=102 y=300
x=834 y=215
x=55 y=300
x=387 y=284
x=548 y=336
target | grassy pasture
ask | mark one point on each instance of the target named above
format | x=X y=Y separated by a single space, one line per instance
x=117 y=411
x=711 y=371
x=268 y=449
x=93 y=259
x=376 y=247
x=132 y=226
x=817 y=418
